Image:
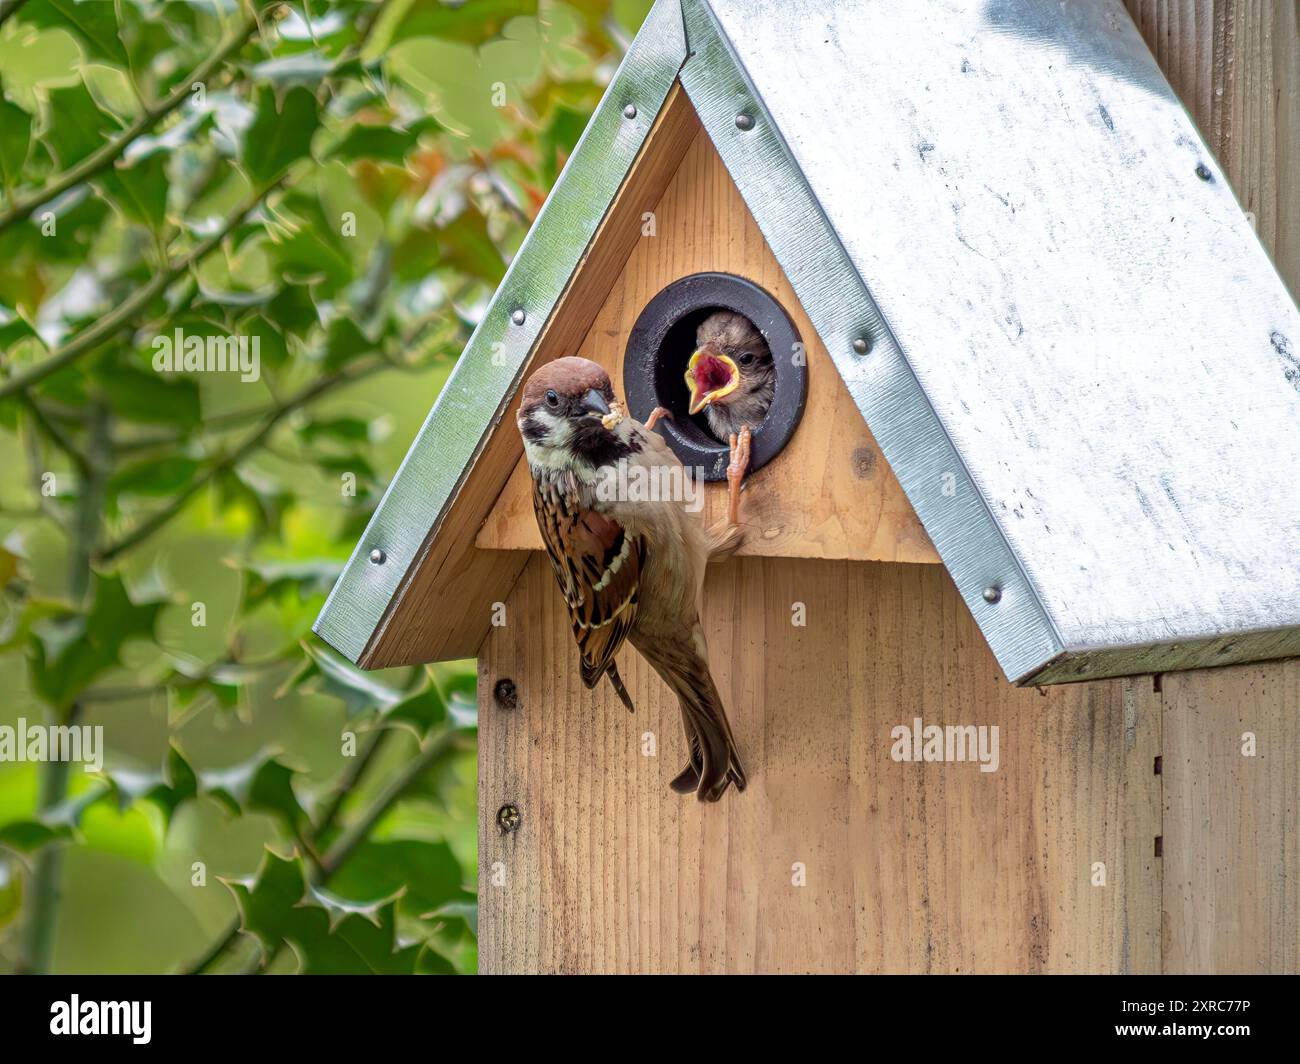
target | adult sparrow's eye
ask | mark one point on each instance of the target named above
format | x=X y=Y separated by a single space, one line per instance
x=745 y=358
x=552 y=398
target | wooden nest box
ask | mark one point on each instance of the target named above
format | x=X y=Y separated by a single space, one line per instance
x=1044 y=482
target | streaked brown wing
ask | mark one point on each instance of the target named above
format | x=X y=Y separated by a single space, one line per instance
x=599 y=569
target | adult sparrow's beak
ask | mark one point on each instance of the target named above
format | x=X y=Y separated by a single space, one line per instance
x=594 y=403
x=710 y=376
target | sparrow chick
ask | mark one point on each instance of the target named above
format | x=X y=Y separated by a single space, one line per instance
x=731 y=375
x=629 y=568
x=732 y=378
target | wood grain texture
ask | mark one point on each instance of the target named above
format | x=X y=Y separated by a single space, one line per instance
x=910 y=867
x=444 y=607
x=830 y=493
x=1232 y=822
x=1235 y=64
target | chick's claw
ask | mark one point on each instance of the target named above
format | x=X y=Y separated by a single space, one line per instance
x=736 y=469
x=655 y=415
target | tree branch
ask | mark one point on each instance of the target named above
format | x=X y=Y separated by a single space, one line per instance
x=343 y=848
x=38 y=932
x=309 y=394
x=107 y=154
x=122 y=314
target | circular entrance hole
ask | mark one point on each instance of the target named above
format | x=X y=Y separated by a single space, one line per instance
x=661 y=344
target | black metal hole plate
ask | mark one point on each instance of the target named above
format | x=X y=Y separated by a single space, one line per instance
x=661 y=343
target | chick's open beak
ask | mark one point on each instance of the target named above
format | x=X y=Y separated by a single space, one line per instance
x=710 y=377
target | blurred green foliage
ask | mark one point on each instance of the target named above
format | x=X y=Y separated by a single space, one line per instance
x=345 y=182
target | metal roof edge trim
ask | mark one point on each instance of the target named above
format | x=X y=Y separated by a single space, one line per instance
x=1229 y=648
x=488 y=372
x=988 y=575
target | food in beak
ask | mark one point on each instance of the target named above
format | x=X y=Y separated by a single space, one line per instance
x=615 y=415
x=710 y=377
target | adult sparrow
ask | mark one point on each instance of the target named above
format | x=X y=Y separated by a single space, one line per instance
x=732 y=378
x=630 y=567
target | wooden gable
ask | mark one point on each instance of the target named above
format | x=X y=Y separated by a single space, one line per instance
x=829 y=494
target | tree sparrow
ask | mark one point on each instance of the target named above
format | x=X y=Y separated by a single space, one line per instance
x=629 y=568
x=732 y=378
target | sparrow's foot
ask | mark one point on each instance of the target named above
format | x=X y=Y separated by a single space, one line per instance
x=655 y=415
x=736 y=470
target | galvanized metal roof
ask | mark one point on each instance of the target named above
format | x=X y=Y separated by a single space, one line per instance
x=1083 y=367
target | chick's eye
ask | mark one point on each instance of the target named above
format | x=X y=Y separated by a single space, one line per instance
x=552 y=398
x=745 y=358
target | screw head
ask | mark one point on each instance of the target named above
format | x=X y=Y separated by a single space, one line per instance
x=744 y=122
x=518 y=316
x=508 y=818
x=505 y=694
x=629 y=112
x=1203 y=172
x=861 y=345
x=378 y=557
x=993 y=593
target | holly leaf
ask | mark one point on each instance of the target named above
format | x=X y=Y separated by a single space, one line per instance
x=15 y=141
x=92 y=22
x=75 y=125
x=329 y=935
x=382 y=143
x=428 y=870
x=69 y=650
x=325 y=672
x=141 y=191
x=280 y=134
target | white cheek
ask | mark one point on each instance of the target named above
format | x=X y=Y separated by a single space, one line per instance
x=549 y=452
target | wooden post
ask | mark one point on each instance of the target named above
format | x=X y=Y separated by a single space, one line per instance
x=1138 y=825
x=1232 y=818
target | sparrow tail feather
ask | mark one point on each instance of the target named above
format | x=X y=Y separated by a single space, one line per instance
x=617 y=681
x=703 y=715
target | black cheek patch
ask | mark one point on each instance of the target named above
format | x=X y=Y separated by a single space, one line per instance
x=532 y=429
x=598 y=445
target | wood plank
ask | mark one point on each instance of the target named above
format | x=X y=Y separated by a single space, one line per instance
x=830 y=493
x=1235 y=64
x=444 y=608
x=932 y=867
x=1232 y=890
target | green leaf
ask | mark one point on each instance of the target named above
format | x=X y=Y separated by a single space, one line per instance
x=156 y=476
x=152 y=398
x=472 y=22
x=15 y=140
x=93 y=22
x=467 y=247
x=70 y=650
x=428 y=870
x=75 y=124
x=141 y=191
x=268 y=581
x=13 y=328
x=341 y=429
x=280 y=134
x=344 y=342
x=327 y=673
x=421 y=712
x=329 y=935
x=305 y=68
x=382 y=143
x=559 y=137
